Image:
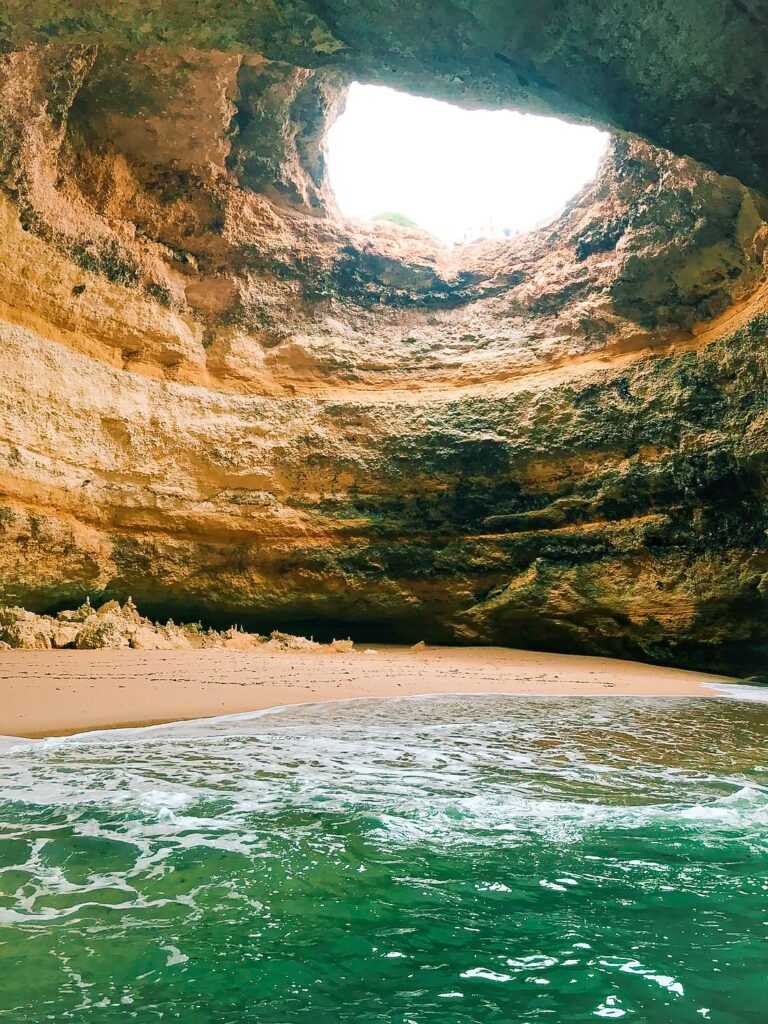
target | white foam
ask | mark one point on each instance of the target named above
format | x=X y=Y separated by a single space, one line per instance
x=740 y=691
x=211 y=726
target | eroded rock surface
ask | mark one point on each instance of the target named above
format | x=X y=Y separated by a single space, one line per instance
x=113 y=626
x=689 y=75
x=221 y=398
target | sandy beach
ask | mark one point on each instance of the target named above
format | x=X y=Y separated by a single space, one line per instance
x=48 y=693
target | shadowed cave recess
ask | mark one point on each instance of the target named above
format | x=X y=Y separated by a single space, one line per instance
x=221 y=398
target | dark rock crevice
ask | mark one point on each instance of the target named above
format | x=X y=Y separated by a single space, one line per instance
x=224 y=400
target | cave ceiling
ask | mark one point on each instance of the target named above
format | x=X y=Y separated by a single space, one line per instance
x=225 y=399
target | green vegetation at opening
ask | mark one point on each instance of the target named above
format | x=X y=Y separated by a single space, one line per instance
x=396 y=218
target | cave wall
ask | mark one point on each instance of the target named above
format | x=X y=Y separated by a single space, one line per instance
x=622 y=513
x=223 y=399
x=689 y=75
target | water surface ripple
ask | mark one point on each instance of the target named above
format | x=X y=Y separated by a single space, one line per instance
x=425 y=861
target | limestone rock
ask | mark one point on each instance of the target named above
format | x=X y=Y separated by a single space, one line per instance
x=222 y=398
x=342 y=646
x=25 y=630
x=107 y=630
x=115 y=626
x=688 y=74
x=288 y=642
x=65 y=634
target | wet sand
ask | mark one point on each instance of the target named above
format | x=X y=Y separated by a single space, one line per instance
x=49 y=693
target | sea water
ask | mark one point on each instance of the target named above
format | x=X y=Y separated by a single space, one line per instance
x=425 y=861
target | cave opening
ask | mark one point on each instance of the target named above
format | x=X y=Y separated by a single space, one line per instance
x=461 y=175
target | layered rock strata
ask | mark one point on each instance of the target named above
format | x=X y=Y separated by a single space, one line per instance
x=220 y=397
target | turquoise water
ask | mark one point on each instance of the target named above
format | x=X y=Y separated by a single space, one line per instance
x=431 y=861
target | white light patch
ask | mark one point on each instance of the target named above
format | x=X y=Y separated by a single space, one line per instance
x=459 y=174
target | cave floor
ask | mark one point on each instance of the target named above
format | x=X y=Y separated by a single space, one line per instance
x=48 y=693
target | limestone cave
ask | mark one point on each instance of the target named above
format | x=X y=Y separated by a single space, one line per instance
x=224 y=399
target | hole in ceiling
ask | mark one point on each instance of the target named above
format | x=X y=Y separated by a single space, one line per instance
x=459 y=174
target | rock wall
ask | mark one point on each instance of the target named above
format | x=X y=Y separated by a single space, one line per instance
x=222 y=399
x=689 y=75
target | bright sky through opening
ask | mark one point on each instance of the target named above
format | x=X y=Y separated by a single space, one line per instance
x=460 y=174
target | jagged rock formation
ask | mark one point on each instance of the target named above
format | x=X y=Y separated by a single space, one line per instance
x=223 y=399
x=115 y=626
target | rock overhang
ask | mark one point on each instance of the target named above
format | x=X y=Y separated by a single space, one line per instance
x=688 y=75
x=237 y=403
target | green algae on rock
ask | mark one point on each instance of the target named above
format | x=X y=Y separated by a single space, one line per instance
x=223 y=399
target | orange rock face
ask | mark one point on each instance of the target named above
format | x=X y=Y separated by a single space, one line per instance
x=220 y=397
